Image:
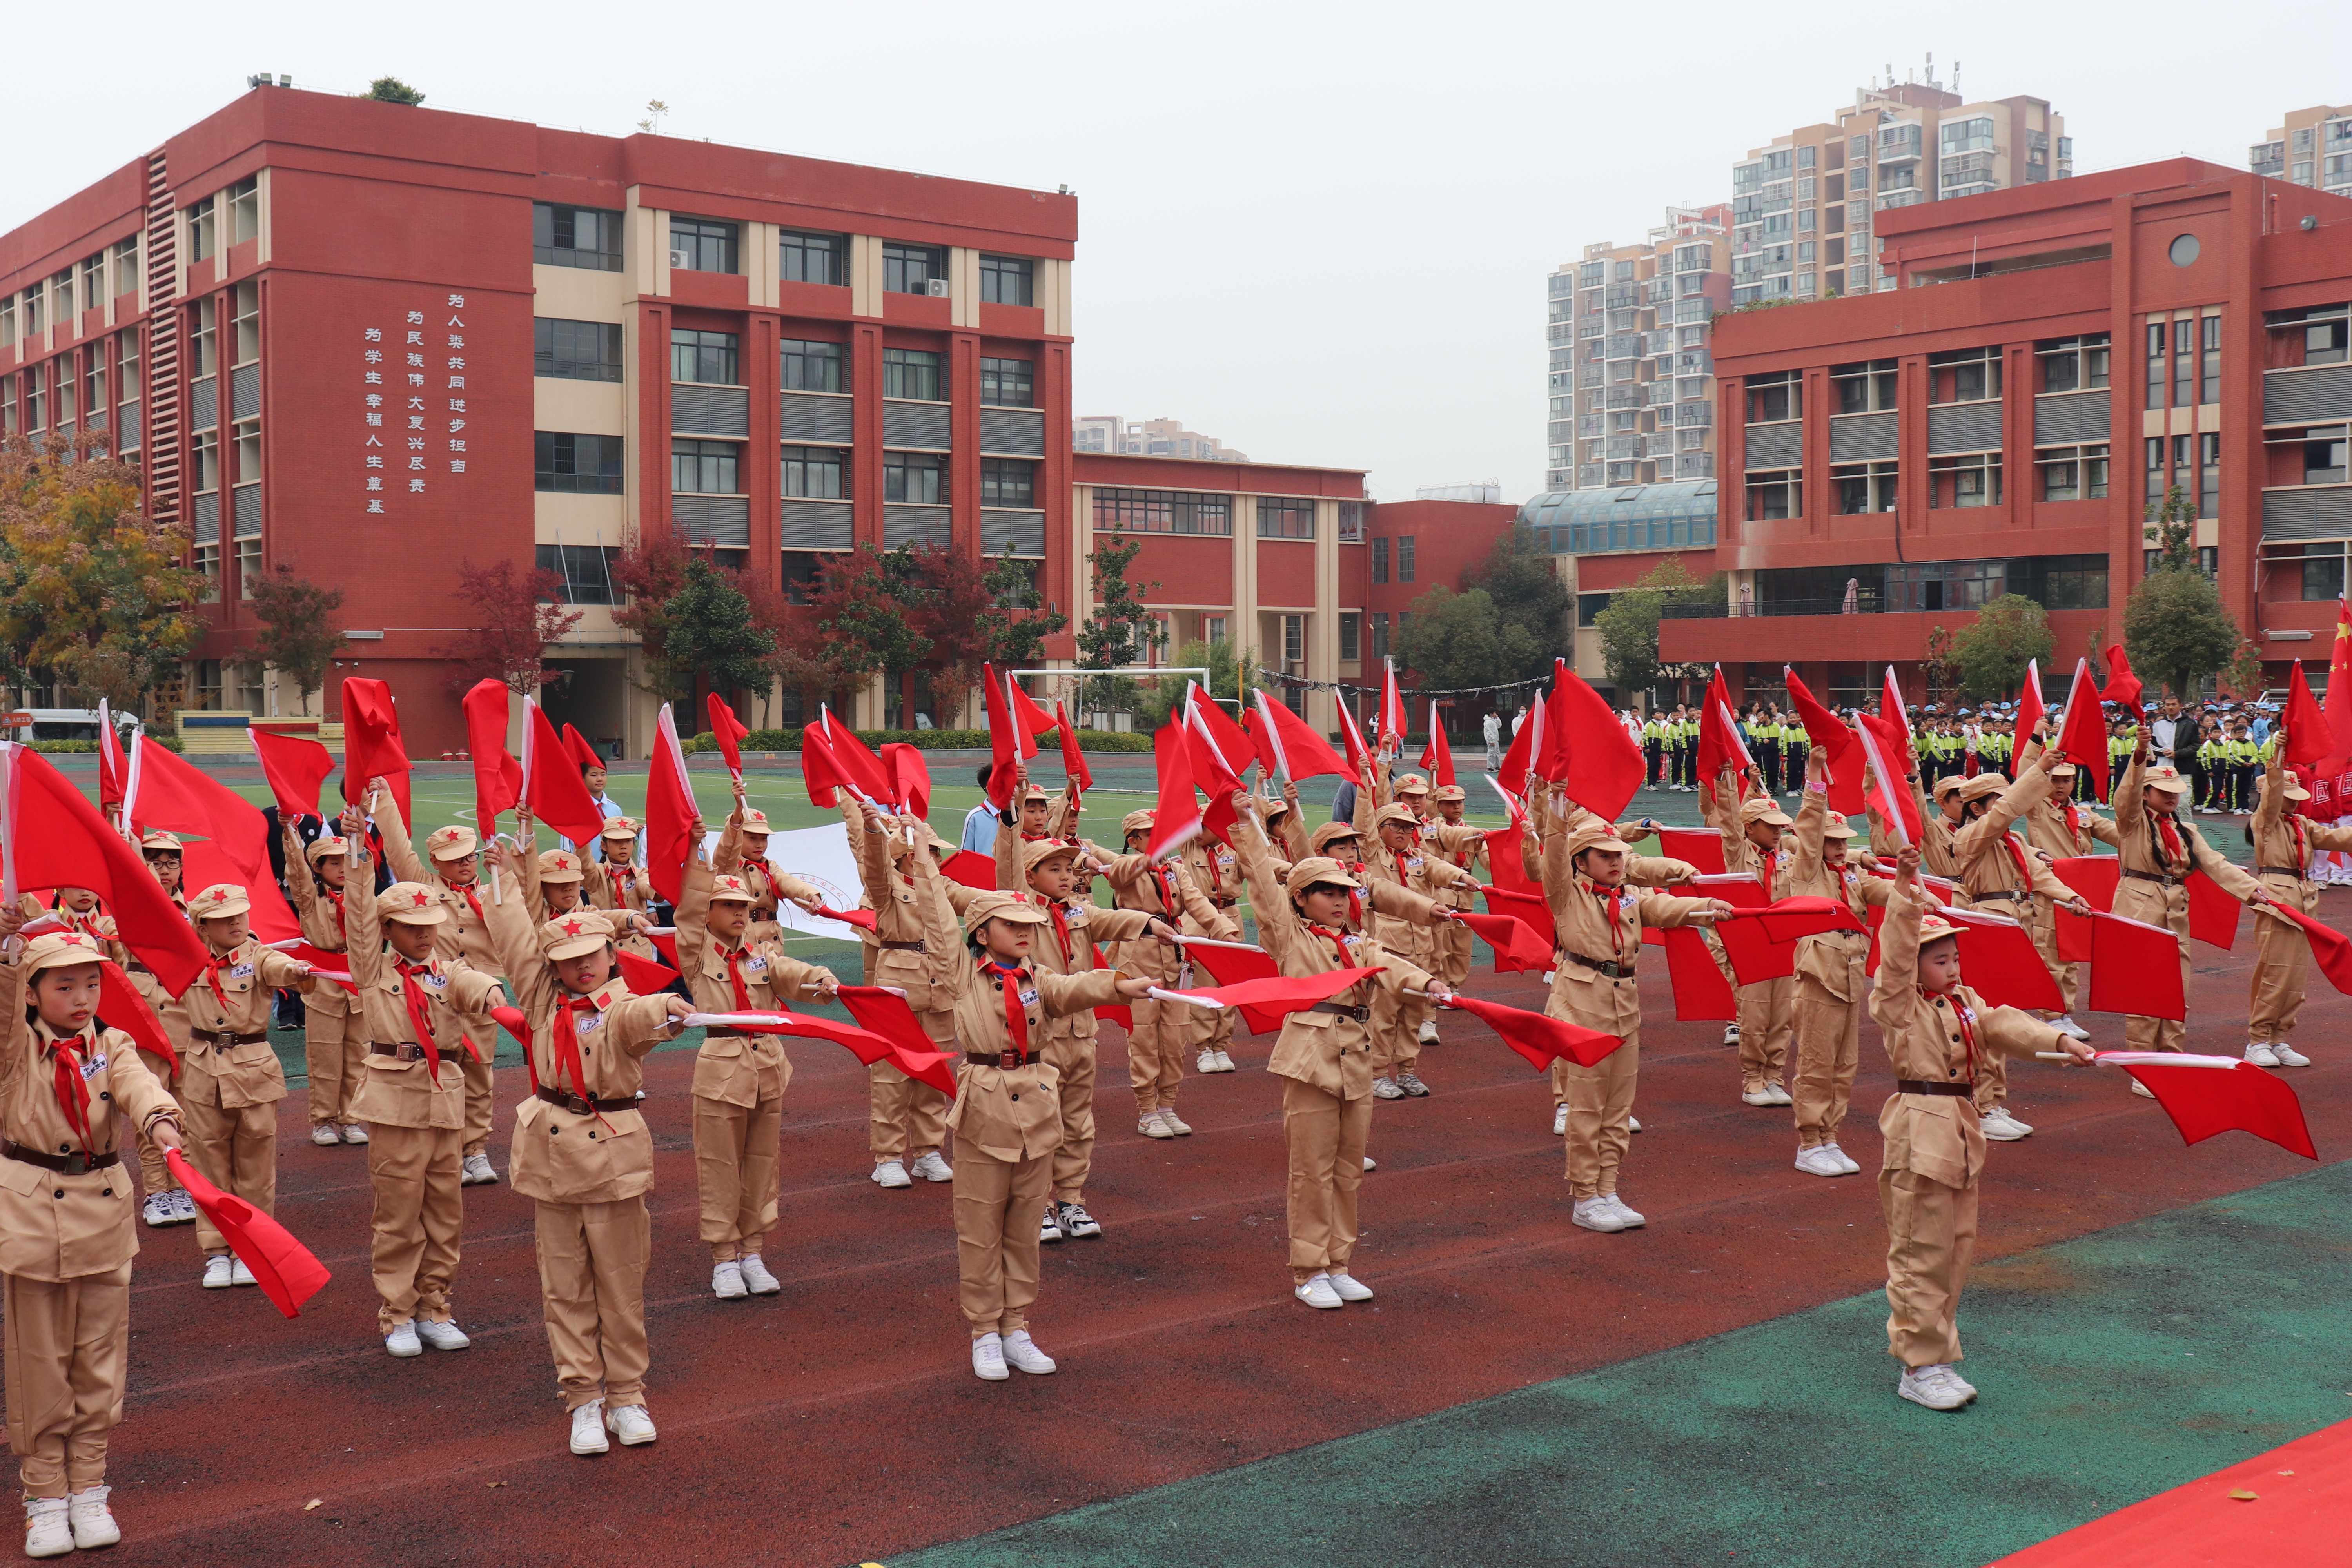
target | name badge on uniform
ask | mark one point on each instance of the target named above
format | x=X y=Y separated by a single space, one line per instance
x=240 y=971
x=433 y=979
x=1028 y=996
x=591 y=1023
x=94 y=1065
x=1625 y=902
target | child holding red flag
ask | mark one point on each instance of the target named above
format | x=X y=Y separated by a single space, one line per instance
x=1463 y=847
x=334 y=1025
x=1217 y=871
x=907 y=1120
x=1755 y=830
x=1155 y=1045
x=1829 y=977
x=2159 y=847
x=1397 y=857
x=66 y=1233
x=2284 y=841
x=1938 y=1034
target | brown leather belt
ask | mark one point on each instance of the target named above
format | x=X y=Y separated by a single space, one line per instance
x=710 y=1035
x=218 y=1040
x=1615 y=969
x=2168 y=881
x=2013 y=894
x=1338 y=1010
x=1931 y=1086
x=68 y=1164
x=1009 y=1060
x=904 y=947
x=2295 y=872
x=1224 y=903
x=579 y=1107
x=405 y=1050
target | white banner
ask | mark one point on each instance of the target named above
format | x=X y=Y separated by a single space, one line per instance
x=820 y=856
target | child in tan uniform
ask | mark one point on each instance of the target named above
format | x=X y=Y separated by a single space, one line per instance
x=166 y=1203
x=1754 y=835
x=67 y=1239
x=611 y=872
x=1217 y=872
x=334 y=1031
x=1462 y=846
x=1829 y=977
x=1155 y=1047
x=583 y=1156
x=1397 y=857
x=2283 y=840
x=907 y=1120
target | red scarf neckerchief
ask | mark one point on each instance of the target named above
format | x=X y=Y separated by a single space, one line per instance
x=1164 y=877
x=1061 y=919
x=73 y=1089
x=2301 y=845
x=1356 y=895
x=1967 y=1034
x=566 y=1035
x=335 y=896
x=1610 y=897
x=472 y=895
x=2017 y=855
x=734 y=957
x=2171 y=837
x=1339 y=941
x=1016 y=1013
x=212 y=977
x=419 y=1014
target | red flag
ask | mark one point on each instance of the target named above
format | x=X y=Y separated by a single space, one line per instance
x=2084 y=737
x=372 y=748
x=642 y=975
x=1549 y=760
x=1074 y=757
x=498 y=777
x=971 y=868
x=2212 y=913
x=1213 y=773
x=2028 y=705
x=2330 y=948
x=665 y=943
x=295 y=769
x=285 y=1269
x=55 y=838
x=1503 y=856
x=1604 y=763
x=910 y=776
x=120 y=1007
x=1288 y=746
x=1027 y=717
x=1359 y=753
x=1528 y=909
x=1178 y=818
x=2134 y=969
x=2002 y=964
x=114 y=767
x=1003 y=740
x=1720 y=743
x=1840 y=754
x=1437 y=755
x=729 y=731
x=2339 y=681
x=576 y=747
x=2123 y=687
x=1701 y=993
x=1788 y=920
x=2094 y=878
x=859 y=765
x=819 y=770
x=558 y=795
x=881 y=1011
x=1237 y=966
x=1699 y=847
x=1516 y=946
x=233 y=842
x=670 y=809
x=2309 y=738
x=862 y=919
x=1391 y=726
x=2206 y=1095
x=1282 y=993
x=1519 y=761
x=929 y=1067
x=1538 y=1037
x=1233 y=742
x=1886 y=747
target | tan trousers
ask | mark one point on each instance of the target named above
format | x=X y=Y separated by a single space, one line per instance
x=735 y=1151
x=480 y=1083
x=1829 y=1051
x=1931 y=1233
x=1455 y=952
x=592 y=1285
x=1600 y=1116
x=2282 y=965
x=1396 y=1027
x=67 y=1349
x=1767 y=1016
x=334 y=1049
x=998 y=1207
x=1211 y=1031
x=1325 y=1137
x=420 y=1214
x=2068 y=975
x=1155 y=1052
x=154 y=1175
x=1074 y=1060
x=1992 y=1080
x=235 y=1150
x=2172 y=912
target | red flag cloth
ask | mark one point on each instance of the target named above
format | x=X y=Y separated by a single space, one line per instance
x=372 y=748
x=1840 y=754
x=295 y=768
x=1074 y=756
x=285 y=1269
x=2338 y=706
x=1437 y=754
x=1004 y=742
x=1538 y=1037
x=1394 y=723
x=859 y=765
x=319 y=959
x=1177 y=820
x=1885 y=744
x=1210 y=773
x=642 y=975
x=2309 y=740
x=120 y=1007
x=1289 y=746
x=819 y=769
x=55 y=838
x=1787 y=920
x=1281 y=993
x=1233 y=742
x=2134 y=969
x=2094 y=877
x=2212 y=913
x=728 y=729
x=910 y=776
x=862 y=918
x=1516 y=946
x=1701 y=993
x=670 y=810
x=665 y=943
x=1754 y=955
x=2123 y=687
x=2084 y=737
x=1699 y=847
x=1358 y=754
x=971 y=868
x=1553 y=742
x=1520 y=759
x=232 y=842
x=114 y=767
x=1529 y=908
x=2028 y=705
x=2330 y=948
x=1238 y=966
x=1720 y=743
x=1604 y=763
x=1503 y=856
x=498 y=777
x=2002 y=964
x=929 y=1066
x=576 y=747
x=1028 y=718
x=558 y=795
x=2206 y=1095
x=881 y=1011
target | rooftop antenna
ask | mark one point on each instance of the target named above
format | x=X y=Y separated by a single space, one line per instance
x=1956 y=78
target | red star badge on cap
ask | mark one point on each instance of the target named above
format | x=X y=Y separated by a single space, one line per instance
x=421 y=899
x=572 y=928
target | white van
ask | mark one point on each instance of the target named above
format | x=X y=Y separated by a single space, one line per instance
x=62 y=724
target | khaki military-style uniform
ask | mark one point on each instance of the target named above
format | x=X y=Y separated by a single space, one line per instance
x=2283 y=843
x=154 y=1171
x=1767 y=1008
x=334 y=1025
x=1155 y=1047
x=230 y=1081
x=1397 y=1019
x=1217 y=871
x=1829 y=977
x=2064 y=831
x=1066 y=946
x=2001 y=876
x=2158 y=853
x=1461 y=846
x=906 y=1119
x=466 y=934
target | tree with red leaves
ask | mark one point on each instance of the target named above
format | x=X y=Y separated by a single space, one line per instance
x=517 y=615
x=977 y=611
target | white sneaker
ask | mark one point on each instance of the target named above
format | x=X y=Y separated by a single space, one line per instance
x=1205 y=1062
x=1169 y=1119
x=441 y=1336
x=1410 y=1083
x=1845 y=1161
x=2142 y=1089
x=2065 y=1023
x=93 y=1521
x=1428 y=1032
x=631 y=1425
x=1318 y=1293
x=2261 y=1055
x=239 y=1274
x=588 y=1428
x=1348 y=1287
x=217 y=1272
x=1952 y=1375
x=1757 y=1097
x=1929 y=1386
x=1370 y=1163
x=892 y=1174
x=1559 y=1121
x=159 y=1210
x=1624 y=1211
x=756 y=1277
x=1022 y=1352
x=727 y=1282
x=183 y=1206
x=2000 y=1127
x=325 y=1136
x=402 y=1341
x=1731 y=1033
x=1596 y=1214
x=478 y=1171
x=1076 y=1222
x=932 y=1168
x=1049 y=1228
x=1386 y=1089
x=49 y=1533
x=988 y=1358
x=1151 y=1126
x=1633 y=1124
x=2288 y=1056
x=1224 y=1061
x=1819 y=1161
x=355 y=1134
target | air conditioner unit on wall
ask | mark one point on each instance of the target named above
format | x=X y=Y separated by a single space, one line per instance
x=939 y=289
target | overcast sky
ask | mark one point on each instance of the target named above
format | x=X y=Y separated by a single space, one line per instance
x=1317 y=233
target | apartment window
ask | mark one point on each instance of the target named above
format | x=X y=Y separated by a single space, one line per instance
x=909 y=269
x=1007 y=280
x=587 y=238
x=249 y=571
x=1008 y=383
x=2072 y=365
x=248 y=452
x=2324 y=342
x=575 y=351
x=2209 y=361
x=1865 y=487
x=2323 y=460
x=1351 y=636
x=702 y=245
x=586 y=570
x=709 y=358
x=204 y=338
x=703 y=468
x=1970 y=479
x=2184 y=363
x=1867 y=387
x=1381 y=559
x=203 y=230
x=1351 y=522
x=1007 y=481
x=2074 y=473
x=2156 y=364
x=1964 y=375
x=911 y=373
x=2323 y=570
x=208 y=567
x=917 y=479
x=93 y=281
x=1162 y=511
x=812 y=366
x=1775 y=494
x=812 y=257
x=124 y=260
x=578 y=465
x=1281 y=517
x=245 y=302
x=817 y=473
x=2155 y=468
x=1772 y=398
x=244 y=210
x=205 y=449
x=2209 y=475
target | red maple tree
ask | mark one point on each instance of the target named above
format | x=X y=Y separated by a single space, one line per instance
x=518 y=613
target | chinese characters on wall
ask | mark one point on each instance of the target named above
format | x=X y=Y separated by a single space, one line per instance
x=413 y=397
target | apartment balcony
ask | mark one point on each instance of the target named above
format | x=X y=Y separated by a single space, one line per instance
x=1636 y=396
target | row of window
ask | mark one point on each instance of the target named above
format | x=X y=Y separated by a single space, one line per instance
x=1189 y=512
x=89 y=284
x=1974 y=479
x=592 y=351
x=1404 y=562
x=1964 y=375
x=579 y=464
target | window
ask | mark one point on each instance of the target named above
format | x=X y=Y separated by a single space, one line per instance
x=587 y=238
x=93 y=281
x=1404 y=557
x=804 y=578
x=1774 y=494
x=1381 y=559
x=1007 y=280
x=36 y=412
x=701 y=244
x=1213 y=629
x=811 y=366
x=1772 y=398
x=812 y=257
x=209 y=568
x=2323 y=460
x=1380 y=634
x=2209 y=475
x=1007 y=481
x=248 y=451
x=581 y=465
x=2184 y=362
x=575 y=351
x=586 y=570
x=1294 y=639
x=7 y=320
x=205 y=449
x=2323 y=570
x=2210 y=372
x=1964 y=375
x=1972 y=479
x=1164 y=512
x=1351 y=636
x=204 y=338
x=2072 y=365
x=245 y=211
x=1351 y=522
x=911 y=373
x=2156 y=364
x=2323 y=342
x=917 y=479
x=202 y=228
x=1867 y=387
x=703 y=468
x=817 y=473
x=245 y=300
x=1945 y=584
x=123 y=261
x=32 y=311
x=1008 y=383
x=909 y=269
x=709 y=358
x=1280 y=517
x=1865 y=487
x=250 y=572
x=2073 y=473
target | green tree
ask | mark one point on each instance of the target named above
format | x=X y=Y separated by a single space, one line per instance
x=295 y=632
x=1453 y=640
x=1629 y=627
x=392 y=89
x=975 y=612
x=1527 y=595
x=2175 y=625
x=1992 y=654
x=713 y=636
x=1119 y=629
x=863 y=611
x=1232 y=676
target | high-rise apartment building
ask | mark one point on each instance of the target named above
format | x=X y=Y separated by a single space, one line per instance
x=2312 y=148
x=1803 y=206
x=1631 y=379
x=1148 y=438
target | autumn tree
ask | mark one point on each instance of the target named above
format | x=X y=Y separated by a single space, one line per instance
x=649 y=571
x=867 y=608
x=1119 y=629
x=295 y=632
x=517 y=615
x=977 y=612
